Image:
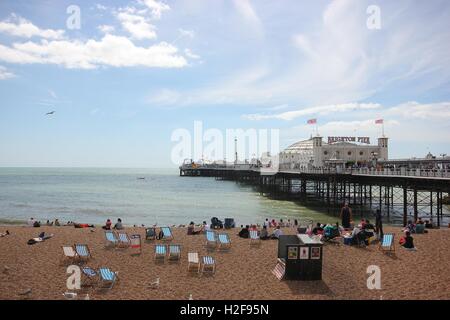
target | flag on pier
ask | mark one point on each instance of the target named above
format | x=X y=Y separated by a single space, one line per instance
x=312 y=121
x=379 y=121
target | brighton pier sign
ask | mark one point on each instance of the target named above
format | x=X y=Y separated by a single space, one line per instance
x=365 y=140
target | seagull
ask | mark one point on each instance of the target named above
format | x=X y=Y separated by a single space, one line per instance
x=155 y=284
x=50 y=113
x=70 y=295
x=26 y=292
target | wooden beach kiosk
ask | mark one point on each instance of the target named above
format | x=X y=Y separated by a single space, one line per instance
x=300 y=256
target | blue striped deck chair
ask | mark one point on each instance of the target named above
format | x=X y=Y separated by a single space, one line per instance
x=107 y=277
x=211 y=239
x=111 y=240
x=160 y=251
x=83 y=251
x=150 y=233
x=254 y=237
x=387 y=244
x=224 y=241
x=174 y=252
x=167 y=233
x=89 y=274
x=209 y=264
x=124 y=241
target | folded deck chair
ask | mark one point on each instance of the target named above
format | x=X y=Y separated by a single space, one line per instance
x=107 y=277
x=150 y=234
x=387 y=244
x=167 y=233
x=89 y=274
x=193 y=261
x=224 y=241
x=174 y=252
x=160 y=251
x=111 y=240
x=209 y=265
x=69 y=253
x=211 y=240
x=83 y=251
x=124 y=241
x=254 y=238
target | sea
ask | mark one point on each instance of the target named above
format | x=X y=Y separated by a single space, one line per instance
x=137 y=196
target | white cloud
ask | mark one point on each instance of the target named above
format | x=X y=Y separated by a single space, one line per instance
x=106 y=28
x=186 y=33
x=317 y=110
x=190 y=54
x=246 y=10
x=415 y=110
x=156 y=7
x=138 y=26
x=116 y=51
x=5 y=74
x=101 y=7
x=20 y=27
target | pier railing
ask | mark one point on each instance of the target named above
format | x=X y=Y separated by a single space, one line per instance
x=430 y=173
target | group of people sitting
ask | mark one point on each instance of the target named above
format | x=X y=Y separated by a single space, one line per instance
x=263 y=233
x=117 y=226
x=203 y=228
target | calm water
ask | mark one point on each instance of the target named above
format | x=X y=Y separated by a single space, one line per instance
x=93 y=195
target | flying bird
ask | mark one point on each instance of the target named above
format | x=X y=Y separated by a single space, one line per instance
x=49 y=113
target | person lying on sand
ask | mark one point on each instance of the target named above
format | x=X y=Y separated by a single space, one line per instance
x=83 y=225
x=4 y=234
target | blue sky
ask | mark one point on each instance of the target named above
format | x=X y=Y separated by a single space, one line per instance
x=136 y=71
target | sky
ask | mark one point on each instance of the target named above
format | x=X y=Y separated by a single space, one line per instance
x=123 y=76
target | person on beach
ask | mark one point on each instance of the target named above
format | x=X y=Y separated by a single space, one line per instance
x=276 y=233
x=317 y=229
x=419 y=221
x=273 y=223
x=205 y=227
x=411 y=227
x=379 y=224
x=244 y=233
x=30 y=222
x=281 y=223
x=49 y=224
x=267 y=223
x=191 y=229
x=346 y=216
x=407 y=241
x=56 y=223
x=108 y=224
x=295 y=223
x=4 y=234
x=118 y=225
x=264 y=234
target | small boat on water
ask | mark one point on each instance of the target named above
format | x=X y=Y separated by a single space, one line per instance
x=140 y=178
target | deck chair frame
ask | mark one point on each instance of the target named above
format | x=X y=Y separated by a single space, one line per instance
x=83 y=257
x=254 y=237
x=193 y=261
x=106 y=271
x=153 y=237
x=174 y=254
x=211 y=242
x=223 y=245
x=69 y=257
x=160 y=254
x=206 y=264
x=165 y=231
x=124 y=240
x=391 y=247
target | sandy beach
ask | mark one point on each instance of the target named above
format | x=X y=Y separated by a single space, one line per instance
x=242 y=273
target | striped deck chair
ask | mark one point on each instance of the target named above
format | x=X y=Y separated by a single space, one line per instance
x=70 y=254
x=193 y=261
x=83 y=252
x=124 y=241
x=174 y=252
x=150 y=234
x=387 y=244
x=254 y=238
x=111 y=239
x=211 y=239
x=209 y=265
x=89 y=274
x=167 y=233
x=224 y=241
x=160 y=251
x=107 y=277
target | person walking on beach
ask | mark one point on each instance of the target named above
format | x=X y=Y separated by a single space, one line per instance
x=346 y=216
x=379 y=224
